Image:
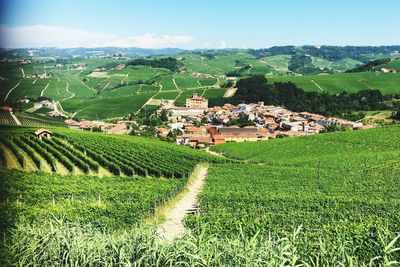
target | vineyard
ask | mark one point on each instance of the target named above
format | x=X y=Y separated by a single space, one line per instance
x=340 y=182
x=80 y=152
x=112 y=203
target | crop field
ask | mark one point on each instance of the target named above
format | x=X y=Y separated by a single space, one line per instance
x=280 y=62
x=62 y=178
x=214 y=93
x=166 y=95
x=112 y=203
x=94 y=94
x=329 y=183
x=185 y=82
x=388 y=83
x=107 y=107
x=208 y=81
x=118 y=155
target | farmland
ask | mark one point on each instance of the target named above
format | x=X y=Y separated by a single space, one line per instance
x=142 y=157
x=341 y=182
x=92 y=88
x=305 y=198
x=341 y=189
x=388 y=83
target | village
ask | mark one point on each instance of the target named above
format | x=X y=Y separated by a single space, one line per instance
x=199 y=126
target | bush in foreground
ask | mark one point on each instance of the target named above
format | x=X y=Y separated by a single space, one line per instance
x=57 y=243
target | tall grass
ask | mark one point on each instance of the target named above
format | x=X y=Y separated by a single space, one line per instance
x=57 y=243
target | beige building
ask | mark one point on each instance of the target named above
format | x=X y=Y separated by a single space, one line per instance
x=196 y=102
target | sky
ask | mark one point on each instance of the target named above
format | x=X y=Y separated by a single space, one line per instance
x=191 y=24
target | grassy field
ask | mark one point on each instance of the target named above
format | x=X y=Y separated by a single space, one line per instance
x=388 y=83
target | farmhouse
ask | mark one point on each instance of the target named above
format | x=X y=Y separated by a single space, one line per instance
x=43 y=133
x=44 y=104
x=56 y=114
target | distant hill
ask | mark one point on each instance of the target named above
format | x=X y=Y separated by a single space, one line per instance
x=83 y=52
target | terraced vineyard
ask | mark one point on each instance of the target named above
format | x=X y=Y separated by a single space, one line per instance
x=91 y=153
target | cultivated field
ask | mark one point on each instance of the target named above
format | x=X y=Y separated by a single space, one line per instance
x=388 y=83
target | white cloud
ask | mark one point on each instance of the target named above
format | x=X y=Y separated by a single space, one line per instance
x=150 y=40
x=46 y=36
x=222 y=44
x=206 y=45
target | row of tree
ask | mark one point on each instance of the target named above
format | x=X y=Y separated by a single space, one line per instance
x=170 y=63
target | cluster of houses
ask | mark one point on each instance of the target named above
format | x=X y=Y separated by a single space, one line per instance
x=121 y=127
x=118 y=67
x=40 y=75
x=266 y=122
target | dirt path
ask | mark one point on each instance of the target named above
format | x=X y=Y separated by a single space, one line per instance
x=11 y=91
x=44 y=89
x=173 y=80
x=317 y=85
x=361 y=81
x=230 y=92
x=173 y=226
x=69 y=92
x=23 y=73
x=90 y=88
x=15 y=118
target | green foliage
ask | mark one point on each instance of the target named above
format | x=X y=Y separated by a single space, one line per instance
x=168 y=63
x=60 y=243
x=396 y=115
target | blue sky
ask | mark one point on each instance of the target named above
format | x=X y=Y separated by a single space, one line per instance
x=198 y=24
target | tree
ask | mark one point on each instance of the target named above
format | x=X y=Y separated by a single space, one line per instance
x=164 y=115
x=396 y=115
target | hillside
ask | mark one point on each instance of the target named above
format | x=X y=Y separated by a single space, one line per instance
x=340 y=187
x=112 y=83
x=344 y=182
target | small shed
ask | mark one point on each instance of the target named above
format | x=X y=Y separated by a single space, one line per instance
x=43 y=133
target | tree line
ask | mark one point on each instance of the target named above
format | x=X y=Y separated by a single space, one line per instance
x=288 y=95
x=168 y=63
